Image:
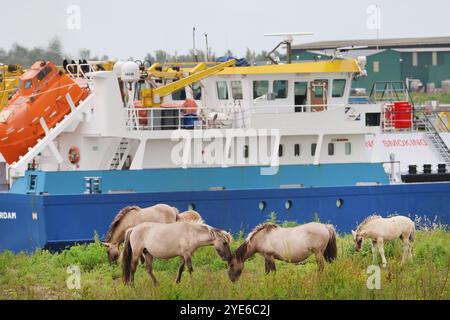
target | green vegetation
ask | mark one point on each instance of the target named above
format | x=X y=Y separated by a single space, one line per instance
x=422 y=98
x=43 y=275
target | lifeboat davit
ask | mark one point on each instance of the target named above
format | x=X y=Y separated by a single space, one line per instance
x=42 y=94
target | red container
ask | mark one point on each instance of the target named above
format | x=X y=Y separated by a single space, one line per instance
x=402 y=115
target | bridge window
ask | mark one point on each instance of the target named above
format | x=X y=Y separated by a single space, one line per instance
x=197 y=91
x=260 y=88
x=179 y=95
x=348 y=148
x=338 y=88
x=331 y=149
x=246 y=152
x=236 y=90
x=41 y=75
x=280 y=150
x=297 y=150
x=222 y=90
x=280 y=88
x=313 y=149
x=28 y=84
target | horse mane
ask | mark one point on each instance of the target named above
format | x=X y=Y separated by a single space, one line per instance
x=367 y=219
x=241 y=251
x=118 y=218
x=214 y=232
x=261 y=227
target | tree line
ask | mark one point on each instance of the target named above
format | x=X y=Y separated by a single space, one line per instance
x=24 y=56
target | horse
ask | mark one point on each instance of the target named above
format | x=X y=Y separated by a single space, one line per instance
x=381 y=229
x=294 y=244
x=165 y=241
x=133 y=215
x=190 y=215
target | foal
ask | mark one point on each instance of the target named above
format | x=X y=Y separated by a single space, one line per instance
x=385 y=229
x=165 y=241
x=293 y=245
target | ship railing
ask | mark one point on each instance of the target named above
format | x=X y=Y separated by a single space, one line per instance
x=155 y=119
x=79 y=70
x=271 y=108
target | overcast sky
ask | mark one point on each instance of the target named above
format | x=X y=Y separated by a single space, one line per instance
x=131 y=28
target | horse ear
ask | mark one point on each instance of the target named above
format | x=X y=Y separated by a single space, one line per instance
x=354 y=234
x=106 y=244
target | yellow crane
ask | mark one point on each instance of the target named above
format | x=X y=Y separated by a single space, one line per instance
x=153 y=97
x=9 y=81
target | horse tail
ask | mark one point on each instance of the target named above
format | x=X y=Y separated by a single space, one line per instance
x=126 y=259
x=330 y=252
x=412 y=235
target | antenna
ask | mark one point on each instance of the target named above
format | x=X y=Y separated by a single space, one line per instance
x=207 y=48
x=288 y=39
x=193 y=44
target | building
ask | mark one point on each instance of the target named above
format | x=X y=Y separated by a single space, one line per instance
x=424 y=59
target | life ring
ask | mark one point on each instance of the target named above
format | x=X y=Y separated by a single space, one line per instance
x=74 y=155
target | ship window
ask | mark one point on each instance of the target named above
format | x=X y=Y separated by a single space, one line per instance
x=236 y=90
x=338 y=88
x=280 y=150
x=280 y=88
x=41 y=75
x=197 y=91
x=331 y=149
x=318 y=87
x=297 y=150
x=246 y=152
x=222 y=90
x=179 y=94
x=28 y=84
x=348 y=148
x=313 y=149
x=260 y=88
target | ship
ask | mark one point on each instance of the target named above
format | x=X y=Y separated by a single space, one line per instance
x=238 y=143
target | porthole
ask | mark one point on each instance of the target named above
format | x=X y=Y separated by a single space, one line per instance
x=339 y=203
x=288 y=204
x=191 y=206
x=262 y=205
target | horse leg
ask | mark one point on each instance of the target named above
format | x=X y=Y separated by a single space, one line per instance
x=319 y=260
x=149 y=267
x=406 y=249
x=380 y=243
x=374 y=251
x=189 y=265
x=269 y=264
x=181 y=269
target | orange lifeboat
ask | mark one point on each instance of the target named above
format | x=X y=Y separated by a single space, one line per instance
x=42 y=94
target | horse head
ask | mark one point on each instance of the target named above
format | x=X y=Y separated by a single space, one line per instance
x=358 y=240
x=113 y=251
x=236 y=264
x=222 y=240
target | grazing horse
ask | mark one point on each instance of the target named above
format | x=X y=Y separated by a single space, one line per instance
x=132 y=215
x=165 y=241
x=385 y=229
x=293 y=245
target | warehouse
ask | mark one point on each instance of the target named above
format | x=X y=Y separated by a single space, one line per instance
x=424 y=61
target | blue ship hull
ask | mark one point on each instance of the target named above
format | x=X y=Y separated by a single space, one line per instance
x=30 y=221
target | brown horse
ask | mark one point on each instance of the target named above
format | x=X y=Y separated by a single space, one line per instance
x=132 y=215
x=293 y=245
x=165 y=241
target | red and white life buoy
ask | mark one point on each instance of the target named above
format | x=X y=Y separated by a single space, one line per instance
x=74 y=155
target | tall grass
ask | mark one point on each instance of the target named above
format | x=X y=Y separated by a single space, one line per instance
x=43 y=275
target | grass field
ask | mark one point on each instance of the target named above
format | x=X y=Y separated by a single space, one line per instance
x=43 y=275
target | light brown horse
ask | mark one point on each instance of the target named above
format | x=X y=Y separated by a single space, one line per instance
x=293 y=245
x=381 y=229
x=165 y=241
x=133 y=215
